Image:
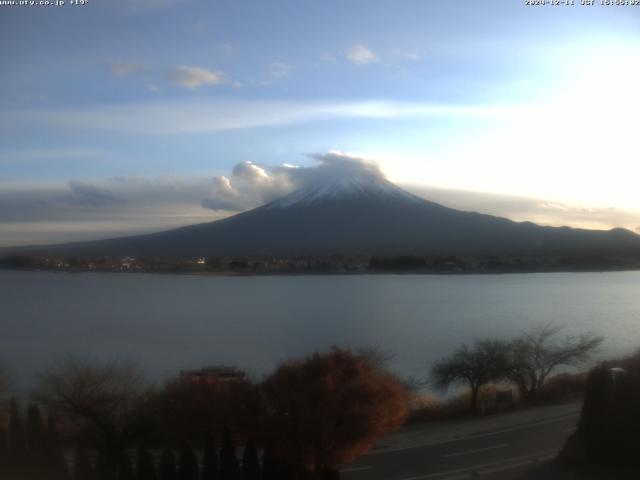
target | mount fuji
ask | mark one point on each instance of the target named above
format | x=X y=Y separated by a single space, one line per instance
x=361 y=213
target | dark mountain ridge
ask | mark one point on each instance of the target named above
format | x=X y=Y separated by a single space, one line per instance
x=363 y=215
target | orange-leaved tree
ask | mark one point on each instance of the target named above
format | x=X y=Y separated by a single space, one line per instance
x=328 y=409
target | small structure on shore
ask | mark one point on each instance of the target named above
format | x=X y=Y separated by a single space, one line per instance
x=213 y=374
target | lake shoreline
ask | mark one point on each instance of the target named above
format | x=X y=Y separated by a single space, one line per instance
x=321 y=273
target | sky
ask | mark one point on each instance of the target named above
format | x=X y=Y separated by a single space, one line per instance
x=127 y=116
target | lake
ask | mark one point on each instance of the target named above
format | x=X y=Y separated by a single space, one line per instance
x=173 y=322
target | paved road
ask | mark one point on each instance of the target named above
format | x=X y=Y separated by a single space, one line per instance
x=500 y=454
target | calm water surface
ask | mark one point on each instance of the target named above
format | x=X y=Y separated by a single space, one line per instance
x=170 y=322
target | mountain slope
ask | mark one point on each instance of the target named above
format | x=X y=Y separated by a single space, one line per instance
x=358 y=215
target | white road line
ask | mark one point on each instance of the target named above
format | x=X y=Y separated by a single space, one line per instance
x=355 y=469
x=477 y=450
x=512 y=465
x=504 y=464
x=473 y=436
x=518 y=427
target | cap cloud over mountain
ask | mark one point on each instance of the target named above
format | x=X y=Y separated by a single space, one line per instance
x=251 y=184
x=345 y=205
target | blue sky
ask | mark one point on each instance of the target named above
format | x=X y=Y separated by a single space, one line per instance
x=494 y=96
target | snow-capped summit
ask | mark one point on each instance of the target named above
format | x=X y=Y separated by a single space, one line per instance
x=358 y=212
x=342 y=187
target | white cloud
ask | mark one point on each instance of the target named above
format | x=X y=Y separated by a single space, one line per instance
x=223 y=196
x=251 y=184
x=91 y=195
x=361 y=55
x=37 y=213
x=248 y=186
x=189 y=116
x=195 y=77
x=125 y=69
x=521 y=208
x=187 y=76
x=279 y=69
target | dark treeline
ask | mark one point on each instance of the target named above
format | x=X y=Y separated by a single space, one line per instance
x=431 y=263
x=31 y=450
x=302 y=422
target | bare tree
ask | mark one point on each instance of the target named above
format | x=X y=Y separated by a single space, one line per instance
x=102 y=399
x=537 y=353
x=377 y=356
x=485 y=361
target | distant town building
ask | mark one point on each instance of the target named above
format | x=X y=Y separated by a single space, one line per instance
x=213 y=374
x=127 y=263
